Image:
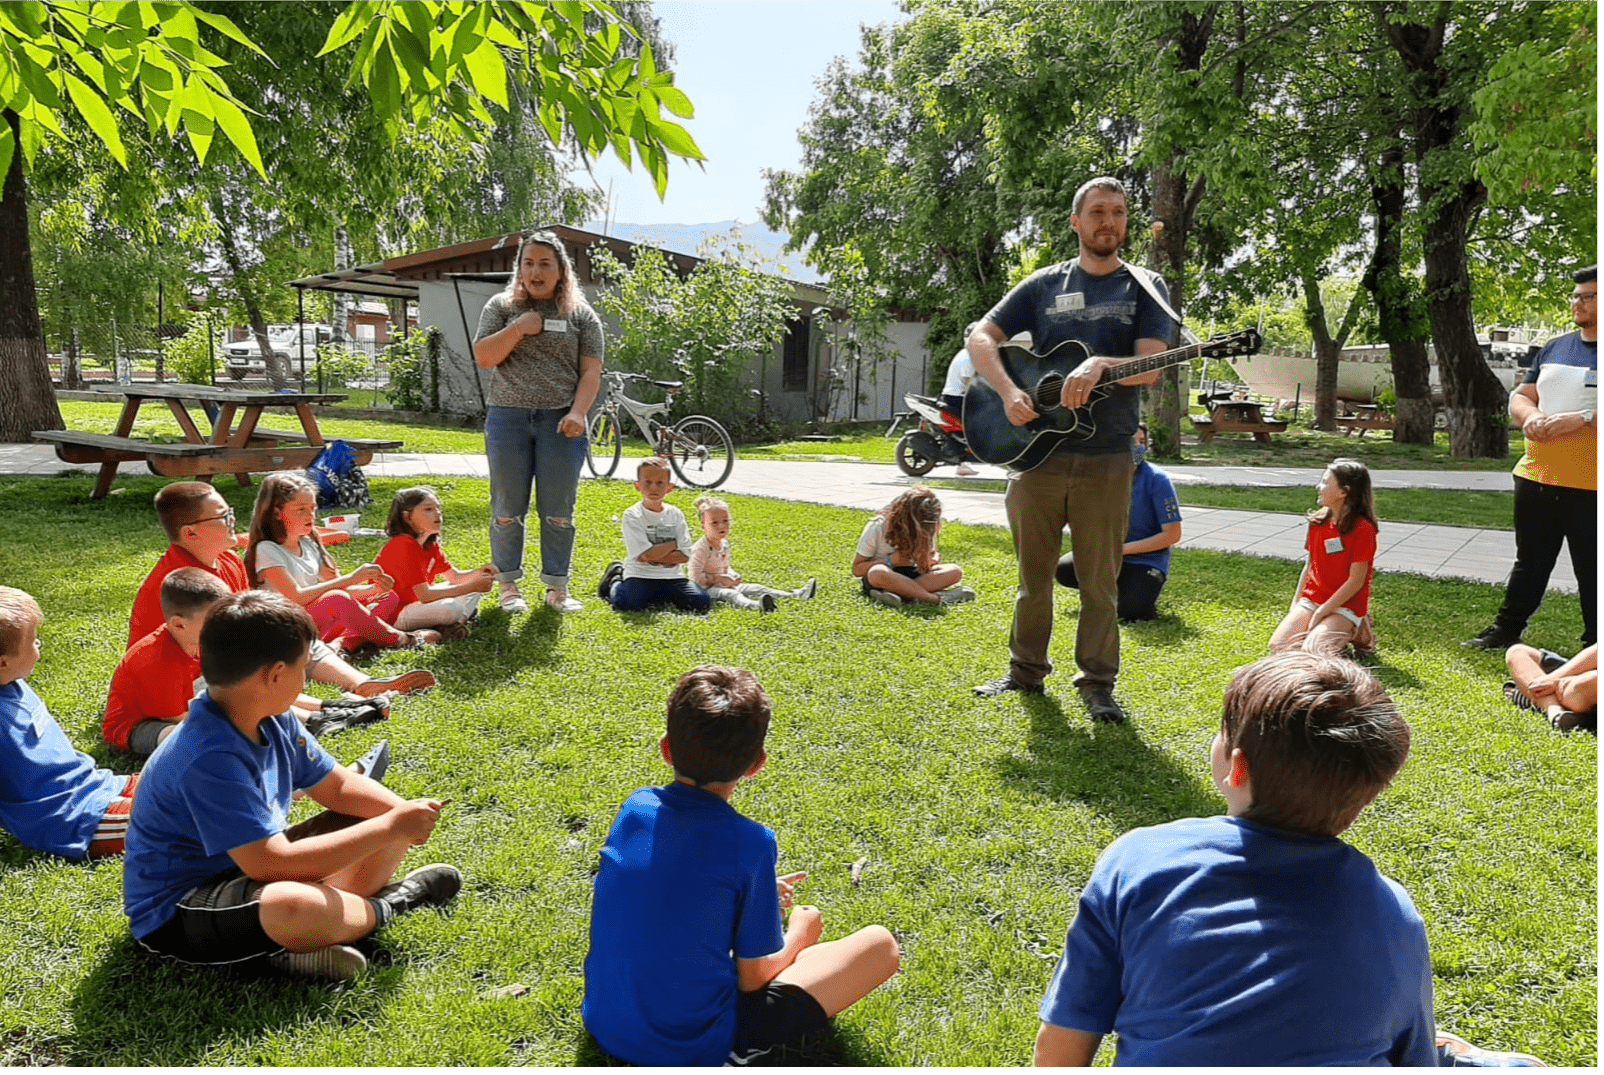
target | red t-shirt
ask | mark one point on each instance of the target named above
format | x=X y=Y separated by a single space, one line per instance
x=409 y=563
x=155 y=678
x=1332 y=555
x=147 y=612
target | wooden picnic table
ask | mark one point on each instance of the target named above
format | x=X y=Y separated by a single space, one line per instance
x=237 y=444
x=1237 y=416
x=1365 y=417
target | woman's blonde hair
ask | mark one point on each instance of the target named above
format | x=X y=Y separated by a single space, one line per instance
x=911 y=524
x=567 y=293
x=276 y=491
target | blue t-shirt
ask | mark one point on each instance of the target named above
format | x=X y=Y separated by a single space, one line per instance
x=1108 y=314
x=1216 y=941
x=51 y=795
x=687 y=885
x=1153 y=505
x=207 y=790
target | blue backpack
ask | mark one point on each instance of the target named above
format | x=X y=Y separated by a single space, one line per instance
x=340 y=482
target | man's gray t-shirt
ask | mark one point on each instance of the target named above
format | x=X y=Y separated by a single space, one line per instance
x=542 y=372
x=1108 y=314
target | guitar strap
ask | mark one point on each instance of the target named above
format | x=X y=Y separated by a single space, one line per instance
x=1145 y=278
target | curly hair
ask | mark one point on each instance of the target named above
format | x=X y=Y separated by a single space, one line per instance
x=912 y=521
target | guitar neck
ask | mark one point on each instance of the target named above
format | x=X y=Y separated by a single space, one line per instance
x=1151 y=362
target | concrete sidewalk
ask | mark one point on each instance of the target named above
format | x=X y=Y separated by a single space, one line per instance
x=1443 y=551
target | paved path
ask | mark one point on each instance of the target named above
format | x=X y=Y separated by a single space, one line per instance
x=1447 y=551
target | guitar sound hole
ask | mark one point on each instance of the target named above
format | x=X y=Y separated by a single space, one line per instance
x=1049 y=394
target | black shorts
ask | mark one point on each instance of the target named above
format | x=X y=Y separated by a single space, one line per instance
x=220 y=921
x=906 y=570
x=771 y=1018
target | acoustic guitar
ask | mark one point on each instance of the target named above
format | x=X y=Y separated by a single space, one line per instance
x=994 y=439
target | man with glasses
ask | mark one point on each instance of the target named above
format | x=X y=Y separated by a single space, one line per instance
x=200 y=525
x=1556 y=481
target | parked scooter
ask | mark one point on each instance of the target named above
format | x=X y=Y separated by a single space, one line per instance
x=938 y=440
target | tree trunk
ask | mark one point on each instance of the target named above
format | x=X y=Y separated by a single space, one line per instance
x=27 y=401
x=277 y=378
x=1477 y=403
x=1402 y=320
x=1327 y=353
x=342 y=299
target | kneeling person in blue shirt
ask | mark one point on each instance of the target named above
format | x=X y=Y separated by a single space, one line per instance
x=214 y=874
x=688 y=961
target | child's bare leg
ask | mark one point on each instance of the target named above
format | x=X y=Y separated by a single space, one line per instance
x=840 y=973
x=940 y=577
x=1330 y=636
x=366 y=876
x=1525 y=667
x=1293 y=630
x=1578 y=693
x=882 y=577
x=304 y=917
x=336 y=672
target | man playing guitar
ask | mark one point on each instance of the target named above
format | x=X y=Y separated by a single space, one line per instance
x=1084 y=483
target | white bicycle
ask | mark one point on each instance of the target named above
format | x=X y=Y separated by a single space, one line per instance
x=698 y=448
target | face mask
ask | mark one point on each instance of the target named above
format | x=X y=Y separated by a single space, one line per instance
x=1138 y=453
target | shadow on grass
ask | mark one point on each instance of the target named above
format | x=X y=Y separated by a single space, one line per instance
x=499 y=642
x=832 y=1049
x=1106 y=766
x=135 y=1008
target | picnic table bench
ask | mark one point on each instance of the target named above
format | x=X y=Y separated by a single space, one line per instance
x=1364 y=419
x=1237 y=416
x=239 y=448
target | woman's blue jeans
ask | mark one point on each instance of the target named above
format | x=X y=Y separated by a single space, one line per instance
x=523 y=446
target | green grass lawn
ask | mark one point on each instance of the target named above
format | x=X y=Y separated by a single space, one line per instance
x=979 y=819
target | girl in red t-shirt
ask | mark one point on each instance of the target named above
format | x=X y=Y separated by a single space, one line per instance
x=1332 y=606
x=413 y=558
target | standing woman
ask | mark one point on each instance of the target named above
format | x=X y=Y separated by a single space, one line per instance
x=545 y=344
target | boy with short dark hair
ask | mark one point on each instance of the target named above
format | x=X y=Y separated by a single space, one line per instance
x=214 y=874
x=200 y=525
x=688 y=962
x=52 y=797
x=657 y=545
x=1259 y=938
x=155 y=680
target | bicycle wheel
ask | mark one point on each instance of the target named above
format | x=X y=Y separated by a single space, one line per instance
x=605 y=445
x=700 y=451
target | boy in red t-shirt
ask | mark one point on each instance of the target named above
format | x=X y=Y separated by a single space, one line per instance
x=200 y=525
x=155 y=680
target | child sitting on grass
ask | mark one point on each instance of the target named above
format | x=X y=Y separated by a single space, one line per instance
x=657 y=543
x=710 y=563
x=200 y=525
x=414 y=559
x=1565 y=691
x=1259 y=938
x=155 y=680
x=690 y=962
x=52 y=797
x=214 y=874
x=285 y=555
x=1331 y=607
x=898 y=560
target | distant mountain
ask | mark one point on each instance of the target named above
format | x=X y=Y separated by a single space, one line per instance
x=688 y=238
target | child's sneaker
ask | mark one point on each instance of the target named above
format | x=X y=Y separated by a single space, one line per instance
x=955 y=595
x=886 y=598
x=427 y=886
x=1455 y=1052
x=336 y=961
x=767 y=603
x=417 y=681
x=375 y=763
x=806 y=591
x=560 y=601
x=609 y=579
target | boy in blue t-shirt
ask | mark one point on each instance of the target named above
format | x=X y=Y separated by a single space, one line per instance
x=52 y=797
x=688 y=961
x=214 y=873
x=1259 y=938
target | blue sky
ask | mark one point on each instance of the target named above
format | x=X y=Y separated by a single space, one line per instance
x=749 y=68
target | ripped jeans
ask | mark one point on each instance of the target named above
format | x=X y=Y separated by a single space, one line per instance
x=524 y=446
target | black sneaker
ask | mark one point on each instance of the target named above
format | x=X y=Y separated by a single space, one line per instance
x=1102 y=708
x=427 y=886
x=767 y=603
x=609 y=579
x=1494 y=638
x=1004 y=684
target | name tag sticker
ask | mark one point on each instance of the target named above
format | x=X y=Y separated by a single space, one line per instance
x=1074 y=300
x=1333 y=545
x=552 y=324
x=1592 y=379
